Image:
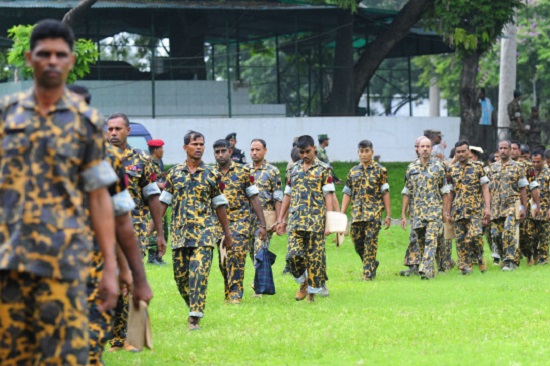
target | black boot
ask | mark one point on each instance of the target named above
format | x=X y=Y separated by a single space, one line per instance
x=159 y=260
x=152 y=256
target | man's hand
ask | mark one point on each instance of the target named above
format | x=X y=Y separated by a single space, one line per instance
x=281 y=228
x=327 y=233
x=161 y=244
x=404 y=223
x=142 y=291
x=108 y=289
x=262 y=233
x=387 y=223
x=522 y=213
x=125 y=279
x=227 y=242
x=536 y=210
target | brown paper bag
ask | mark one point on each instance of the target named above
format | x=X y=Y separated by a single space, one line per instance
x=448 y=231
x=139 y=326
x=270 y=219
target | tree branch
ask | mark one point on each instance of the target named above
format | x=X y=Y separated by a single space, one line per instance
x=71 y=17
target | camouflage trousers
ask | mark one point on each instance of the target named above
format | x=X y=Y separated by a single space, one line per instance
x=120 y=322
x=526 y=240
x=412 y=255
x=100 y=324
x=505 y=233
x=365 y=239
x=306 y=258
x=492 y=246
x=232 y=268
x=468 y=236
x=541 y=234
x=140 y=229
x=191 y=270
x=427 y=245
x=443 y=253
x=43 y=321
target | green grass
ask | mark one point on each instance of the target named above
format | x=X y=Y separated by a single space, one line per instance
x=494 y=318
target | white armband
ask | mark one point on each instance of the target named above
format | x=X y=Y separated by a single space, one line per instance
x=405 y=192
x=252 y=190
x=328 y=188
x=288 y=190
x=123 y=203
x=385 y=187
x=100 y=175
x=219 y=201
x=150 y=190
x=278 y=195
x=523 y=182
x=484 y=180
x=445 y=189
x=534 y=184
x=166 y=197
x=346 y=190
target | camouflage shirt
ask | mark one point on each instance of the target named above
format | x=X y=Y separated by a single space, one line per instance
x=307 y=190
x=268 y=180
x=425 y=185
x=47 y=165
x=158 y=169
x=142 y=180
x=238 y=188
x=506 y=181
x=543 y=179
x=322 y=155
x=467 y=181
x=514 y=111
x=192 y=197
x=366 y=188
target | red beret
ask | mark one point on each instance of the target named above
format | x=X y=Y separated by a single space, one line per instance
x=155 y=143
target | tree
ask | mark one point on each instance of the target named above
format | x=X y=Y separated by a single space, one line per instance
x=471 y=27
x=72 y=16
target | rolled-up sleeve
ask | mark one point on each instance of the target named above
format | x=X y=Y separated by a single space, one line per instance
x=445 y=189
x=123 y=203
x=219 y=200
x=523 y=182
x=278 y=195
x=534 y=184
x=166 y=197
x=385 y=187
x=484 y=180
x=150 y=190
x=251 y=190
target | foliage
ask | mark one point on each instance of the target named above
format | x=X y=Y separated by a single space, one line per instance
x=391 y=321
x=85 y=51
x=471 y=26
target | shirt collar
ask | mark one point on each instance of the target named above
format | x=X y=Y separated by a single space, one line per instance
x=67 y=100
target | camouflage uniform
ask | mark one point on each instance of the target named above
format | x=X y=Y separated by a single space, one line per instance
x=323 y=156
x=192 y=196
x=527 y=245
x=425 y=185
x=467 y=211
x=141 y=185
x=100 y=323
x=239 y=187
x=238 y=156
x=48 y=164
x=495 y=254
x=514 y=111
x=506 y=182
x=306 y=222
x=268 y=180
x=541 y=224
x=366 y=187
x=158 y=169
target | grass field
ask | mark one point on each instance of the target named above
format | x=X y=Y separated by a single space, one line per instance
x=494 y=318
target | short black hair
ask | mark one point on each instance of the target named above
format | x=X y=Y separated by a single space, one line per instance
x=294 y=154
x=192 y=135
x=261 y=141
x=120 y=115
x=222 y=143
x=492 y=157
x=538 y=152
x=305 y=141
x=363 y=144
x=453 y=152
x=461 y=143
x=515 y=142
x=153 y=148
x=51 y=28
x=81 y=90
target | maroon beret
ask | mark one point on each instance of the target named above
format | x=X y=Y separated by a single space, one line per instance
x=155 y=143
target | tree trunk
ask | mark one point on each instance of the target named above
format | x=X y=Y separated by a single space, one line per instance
x=377 y=51
x=71 y=17
x=470 y=109
x=187 y=34
x=341 y=96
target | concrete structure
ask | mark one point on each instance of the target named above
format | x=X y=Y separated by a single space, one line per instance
x=175 y=98
x=393 y=137
x=507 y=78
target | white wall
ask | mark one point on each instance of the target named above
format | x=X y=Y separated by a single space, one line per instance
x=393 y=137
